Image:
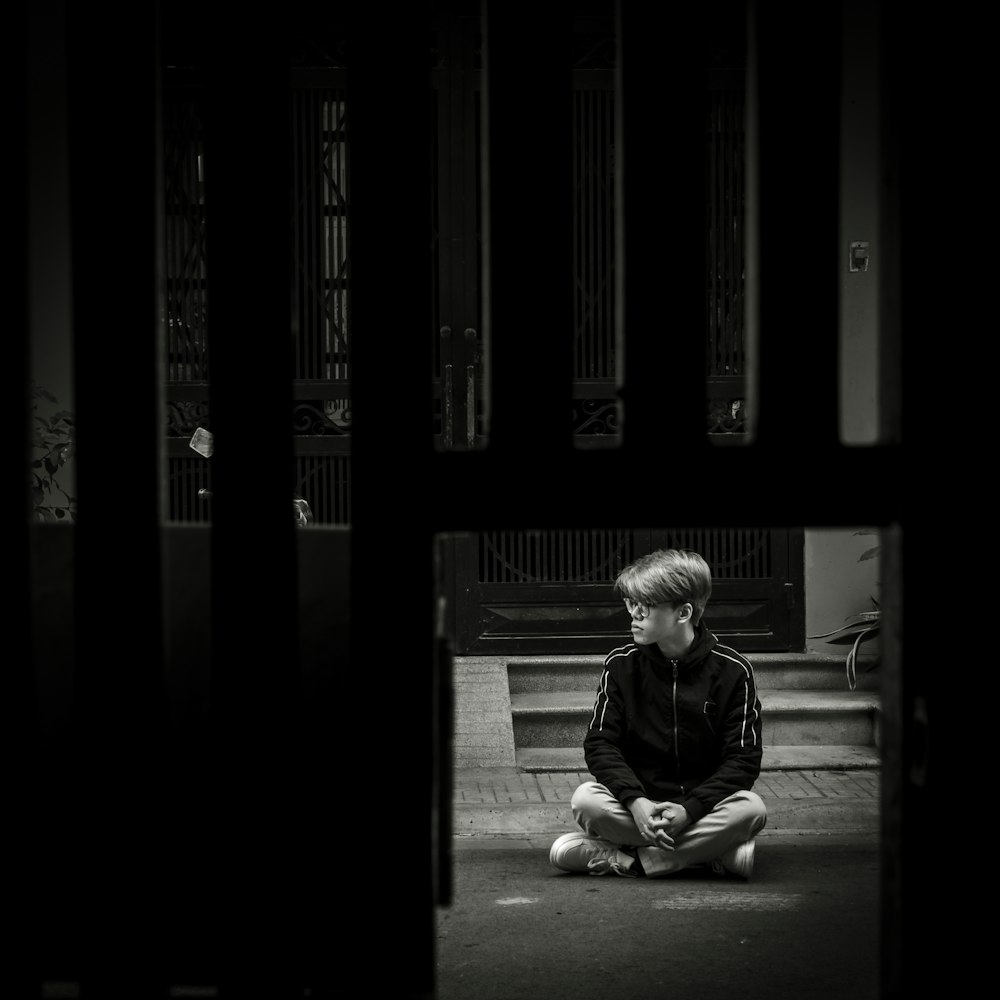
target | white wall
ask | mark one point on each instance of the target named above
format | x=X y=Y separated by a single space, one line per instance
x=838 y=583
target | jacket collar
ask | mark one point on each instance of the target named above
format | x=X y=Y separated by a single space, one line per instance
x=704 y=643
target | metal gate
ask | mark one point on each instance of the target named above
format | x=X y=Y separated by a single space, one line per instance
x=319 y=321
x=529 y=591
x=538 y=592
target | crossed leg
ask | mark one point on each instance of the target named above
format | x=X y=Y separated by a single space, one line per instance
x=733 y=821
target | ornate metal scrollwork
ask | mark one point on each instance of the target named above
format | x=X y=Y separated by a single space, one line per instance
x=594 y=46
x=600 y=416
x=320 y=43
x=184 y=417
x=595 y=416
x=328 y=417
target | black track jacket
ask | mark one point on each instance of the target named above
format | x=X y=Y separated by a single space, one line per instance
x=686 y=730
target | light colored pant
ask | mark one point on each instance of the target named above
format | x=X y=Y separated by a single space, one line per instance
x=734 y=820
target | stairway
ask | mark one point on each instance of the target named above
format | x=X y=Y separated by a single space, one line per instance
x=812 y=720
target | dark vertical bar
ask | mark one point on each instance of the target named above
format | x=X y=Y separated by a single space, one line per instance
x=528 y=88
x=449 y=191
x=662 y=74
x=715 y=336
x=595 y=107
x=928 y=735
x=466 y=174
x=581 y=224
x=738 y=324
x=255 y=772
x=300 y=304
x=389 y=114
x=314 y=236
x=608 y=340
x=444 y=724
x=724 y=230
x=20 y=720
x=115 y=785
x=798 y=101
x=894 y=797
x=589 y=274
x=892 y=172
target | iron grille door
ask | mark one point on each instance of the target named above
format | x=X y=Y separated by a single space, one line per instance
x=539 y=592
x=319 y=254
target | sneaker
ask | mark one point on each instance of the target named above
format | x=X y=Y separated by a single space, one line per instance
x=576 y=852
x=737 y=860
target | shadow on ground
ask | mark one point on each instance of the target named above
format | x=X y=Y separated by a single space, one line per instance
x=807 y=925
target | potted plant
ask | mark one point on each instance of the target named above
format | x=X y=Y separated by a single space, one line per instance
x=857 y=627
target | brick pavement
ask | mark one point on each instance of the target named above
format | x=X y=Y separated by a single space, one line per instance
x=505 y=801
x=507 y=785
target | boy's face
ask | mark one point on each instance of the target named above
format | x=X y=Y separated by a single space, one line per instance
x=666 y=625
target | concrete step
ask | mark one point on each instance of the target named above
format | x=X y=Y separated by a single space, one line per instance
x=784 y=671
x=557 y=760
x=792 y=717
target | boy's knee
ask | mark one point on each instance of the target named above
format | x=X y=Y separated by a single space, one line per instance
x=585 y=800
x=755 y=810
x=744 y=812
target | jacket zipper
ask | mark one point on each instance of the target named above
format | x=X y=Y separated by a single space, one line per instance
x=677 y=746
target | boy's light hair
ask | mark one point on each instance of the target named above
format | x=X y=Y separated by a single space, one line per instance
x=672 y=576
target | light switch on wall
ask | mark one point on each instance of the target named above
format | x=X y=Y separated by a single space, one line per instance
x=859 y=255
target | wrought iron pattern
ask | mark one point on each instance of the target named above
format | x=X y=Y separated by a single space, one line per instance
x=596 y=416
x=598 y=555
x=593 y=250
x=593 y=42
x=320 y=243
x=184 y=416
x=327 y=418
x=320 y=287
x=186 y=479
x=318 y=45
x=725 y=200
x=320 y=233
x=593 y=229
x=731 y=553
x=184 y=230
x=572 y=556
x=325 y=481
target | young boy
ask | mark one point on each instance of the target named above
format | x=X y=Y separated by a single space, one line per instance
x=674 y=741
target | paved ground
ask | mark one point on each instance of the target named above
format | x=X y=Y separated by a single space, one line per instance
x=507 y=803
x=806 y=925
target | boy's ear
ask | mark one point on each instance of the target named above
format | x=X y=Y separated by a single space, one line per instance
x=686 y=611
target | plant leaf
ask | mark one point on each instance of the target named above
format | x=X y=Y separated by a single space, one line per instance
x=862 y=616
x=847 y=637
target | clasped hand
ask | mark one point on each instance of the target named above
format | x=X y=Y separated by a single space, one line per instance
x=659 y=822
